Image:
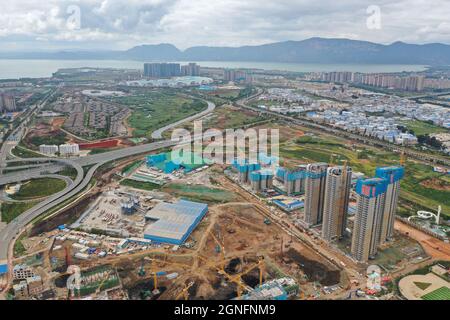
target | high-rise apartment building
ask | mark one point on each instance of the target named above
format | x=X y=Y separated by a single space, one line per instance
x=392 y=175
x=236 y=76
x=192 y=69
x=316 y=174
x=337 y=193
x=371 y=195
x=161 y=70
x=292 y=179
x=7 y=103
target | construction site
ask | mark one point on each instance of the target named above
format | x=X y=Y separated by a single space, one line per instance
x=232 y=250
x=206 y=232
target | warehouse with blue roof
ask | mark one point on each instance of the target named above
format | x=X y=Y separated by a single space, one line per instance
x=173 y=222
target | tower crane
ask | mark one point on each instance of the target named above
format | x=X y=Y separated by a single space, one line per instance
x=185 y=291
x=403 y=158
x=237 y=279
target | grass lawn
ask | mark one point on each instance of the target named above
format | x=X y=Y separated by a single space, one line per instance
x=365 y=159
x=199 y=193
x=100 y=150
x=56 y=139
x=422 y=128
x=69 y=172
x=11 y=210
x=442 y=293
x=21 y=152
x=228 y=117
x=422 y=285
x=19 y=248
x=132 y=166
x=412 y=190
x=38 y=188
x=140 y=184
x=157 y=108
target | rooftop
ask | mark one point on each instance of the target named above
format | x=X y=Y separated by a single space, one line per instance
x=174 y=221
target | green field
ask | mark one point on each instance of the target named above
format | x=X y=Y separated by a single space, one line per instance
x=422 y=285
x=56 y=139
x=140 y=184
x=69 y=172
x=199 y=193
x=25 y=153
x=365 y=159
x=100 y=150
x=227 y=117
x=19 y=248
x=11 y=210
x=153 y=109
x=421 y=128
x=132 y=166
x=38 y=188
x=442 y=293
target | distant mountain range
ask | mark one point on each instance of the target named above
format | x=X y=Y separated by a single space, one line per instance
x=314 y=50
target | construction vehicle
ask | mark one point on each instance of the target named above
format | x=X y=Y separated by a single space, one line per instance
x=153 y=272
x=141 y=272
x=219 y=248
x=267 y=221
x=185 y=291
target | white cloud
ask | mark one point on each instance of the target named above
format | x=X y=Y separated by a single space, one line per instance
x=121 y=24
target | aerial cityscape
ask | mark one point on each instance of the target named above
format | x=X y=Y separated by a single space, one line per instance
x=316 y=169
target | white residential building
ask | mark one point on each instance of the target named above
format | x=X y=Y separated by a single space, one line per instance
x=49 y=150
x=69 y=149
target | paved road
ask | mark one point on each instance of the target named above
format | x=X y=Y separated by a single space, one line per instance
x=33 y=172
x=158 y=133
x=5 y=197
x=8 y=234
x=9 y=144
x=15 y=136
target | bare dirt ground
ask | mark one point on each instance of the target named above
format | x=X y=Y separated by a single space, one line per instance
x=57 y=123
x=435 y=248
x=436 y=184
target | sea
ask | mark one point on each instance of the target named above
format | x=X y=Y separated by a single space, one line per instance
x=21 y=68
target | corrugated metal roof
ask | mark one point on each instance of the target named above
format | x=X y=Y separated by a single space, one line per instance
x=174 y=220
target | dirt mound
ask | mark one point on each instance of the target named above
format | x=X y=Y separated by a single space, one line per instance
x=436 y=184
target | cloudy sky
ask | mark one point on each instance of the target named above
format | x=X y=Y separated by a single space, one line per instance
x=30 y=25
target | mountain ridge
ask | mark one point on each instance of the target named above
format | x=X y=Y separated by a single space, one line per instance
x=312 y=50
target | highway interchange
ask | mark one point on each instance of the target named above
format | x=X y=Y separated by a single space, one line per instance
x=54 y=165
